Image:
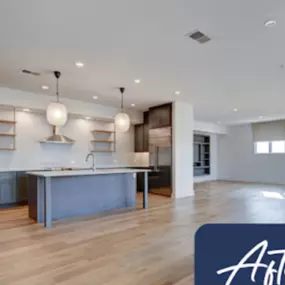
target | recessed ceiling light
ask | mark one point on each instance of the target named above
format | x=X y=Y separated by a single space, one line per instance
x=260 y=117
x=45 y=87
x=26 y=110
x=235 y=110
x=95 y=97
x=79 y=64
x=270 y=23
x=133 y=105
x=87 y=118
x=177 y=92
x=219 y=122
x=137 y=81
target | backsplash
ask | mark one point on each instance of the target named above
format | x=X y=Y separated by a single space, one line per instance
x=30 y=153
x=140 y=158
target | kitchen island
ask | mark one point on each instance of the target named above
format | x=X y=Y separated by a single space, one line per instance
x=57 y=195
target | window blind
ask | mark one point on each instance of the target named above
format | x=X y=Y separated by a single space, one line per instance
x=269 y=131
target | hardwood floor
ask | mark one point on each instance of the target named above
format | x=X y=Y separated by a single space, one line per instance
x=143 y=247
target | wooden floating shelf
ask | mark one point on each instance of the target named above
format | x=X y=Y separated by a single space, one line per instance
x=7 y=135
x=102 y=141
x=7 y=122
x=3 y=148
x=103 y=131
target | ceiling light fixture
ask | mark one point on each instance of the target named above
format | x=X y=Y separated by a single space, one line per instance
x=45 y=87
x=270 y=23
x=79 y=64
x=133 y=105
x=26 y=110
x=177 y=92
x=87 y=118
x=95 y=97
x=235 y=110
x=260 y=117
x=122 y=119
x=137 y=81
x=56 y=111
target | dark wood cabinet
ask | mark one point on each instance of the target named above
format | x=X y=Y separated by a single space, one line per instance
x=141 y=135
x=160 y=116
x=139 y=138
x=145 y=132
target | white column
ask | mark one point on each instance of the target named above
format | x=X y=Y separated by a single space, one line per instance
x=182 y=147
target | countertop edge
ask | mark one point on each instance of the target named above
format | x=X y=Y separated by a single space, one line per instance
x=86 y=172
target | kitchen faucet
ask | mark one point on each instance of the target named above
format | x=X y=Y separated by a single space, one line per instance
x=93 y=160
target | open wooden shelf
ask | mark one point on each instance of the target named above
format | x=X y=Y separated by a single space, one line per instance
x=7 y=122
x=103 y=131
x=8 y=118
x=102 y=141
x=7 y=135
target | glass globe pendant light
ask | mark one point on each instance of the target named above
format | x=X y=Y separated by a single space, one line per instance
x=122 y=119
x=56 y=111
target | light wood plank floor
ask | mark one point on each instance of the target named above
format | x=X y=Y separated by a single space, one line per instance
x=143 y=247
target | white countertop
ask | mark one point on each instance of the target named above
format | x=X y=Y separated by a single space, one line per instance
x=46 y=168
x=86 y=172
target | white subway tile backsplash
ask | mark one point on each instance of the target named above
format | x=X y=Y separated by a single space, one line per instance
x=30 y=153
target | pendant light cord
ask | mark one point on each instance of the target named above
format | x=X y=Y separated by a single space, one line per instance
x=122 y=89
x=57 y=93
x=57 y=76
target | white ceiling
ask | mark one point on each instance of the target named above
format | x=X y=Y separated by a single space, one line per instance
x=120 y=40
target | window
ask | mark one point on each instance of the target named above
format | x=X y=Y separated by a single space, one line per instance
x=278 y=147
x=261 y=147
x=269 y=147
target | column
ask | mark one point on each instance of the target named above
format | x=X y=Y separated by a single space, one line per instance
x=182 y=147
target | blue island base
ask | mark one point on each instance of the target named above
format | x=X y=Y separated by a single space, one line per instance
x=72 y=196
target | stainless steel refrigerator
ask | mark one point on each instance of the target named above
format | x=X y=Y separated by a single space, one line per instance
x=160 y=157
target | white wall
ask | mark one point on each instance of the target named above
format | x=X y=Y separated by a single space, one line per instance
x=238 y=162
x=30 y=153
x=23 y=99
x=182 y=167
x=33 y=127
x=206 y=127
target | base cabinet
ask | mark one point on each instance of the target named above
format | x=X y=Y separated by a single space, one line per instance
x=8 y=191
x=13 y=188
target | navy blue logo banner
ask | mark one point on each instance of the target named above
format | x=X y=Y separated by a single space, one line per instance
x=240 y=254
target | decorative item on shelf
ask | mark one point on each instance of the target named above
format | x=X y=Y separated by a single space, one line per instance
x=9 y=129
x=122 y=119
x=57 y=111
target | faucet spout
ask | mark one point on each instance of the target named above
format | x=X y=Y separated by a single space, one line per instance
x=93 y=160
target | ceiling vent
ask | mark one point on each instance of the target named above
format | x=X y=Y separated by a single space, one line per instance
x=199 y=37
x=28 y=72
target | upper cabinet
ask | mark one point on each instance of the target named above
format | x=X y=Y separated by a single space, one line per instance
x=156 y=117
x=145 y=131
x=160 y=116
x=141 y=135
x=139 y=138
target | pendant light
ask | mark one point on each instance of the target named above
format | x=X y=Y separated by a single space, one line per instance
x=122 y=119
x=56 y=111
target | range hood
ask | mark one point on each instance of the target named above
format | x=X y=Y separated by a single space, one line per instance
x=57 y=139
